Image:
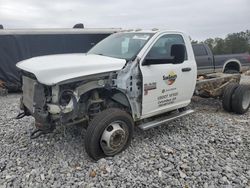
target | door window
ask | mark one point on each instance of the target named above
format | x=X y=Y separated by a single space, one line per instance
x=162 y=48
x=199 y=50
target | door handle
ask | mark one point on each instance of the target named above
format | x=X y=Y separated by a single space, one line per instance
x=187 y=69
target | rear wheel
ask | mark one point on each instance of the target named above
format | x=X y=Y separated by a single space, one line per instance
x=227 y=96
x=109 y=133
x=241 y=99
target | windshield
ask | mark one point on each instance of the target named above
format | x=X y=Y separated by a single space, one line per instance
x=121 y=45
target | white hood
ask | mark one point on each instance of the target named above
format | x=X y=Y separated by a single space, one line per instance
x=53 y=69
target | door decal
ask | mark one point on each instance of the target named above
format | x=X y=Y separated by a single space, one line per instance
x=167 y=98
x=149 y=86
x=170 y=78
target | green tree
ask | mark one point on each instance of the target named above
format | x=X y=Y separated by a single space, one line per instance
x=210 y=42
x=219 y=47
x=233 y=43
x=236 y=43
x=194 y=41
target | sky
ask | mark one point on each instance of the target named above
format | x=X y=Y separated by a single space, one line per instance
x=200 y=19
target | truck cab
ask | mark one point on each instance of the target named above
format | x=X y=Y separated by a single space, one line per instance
x=204 y=59
x=131 y=78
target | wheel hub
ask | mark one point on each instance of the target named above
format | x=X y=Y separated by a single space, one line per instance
x=113 y=138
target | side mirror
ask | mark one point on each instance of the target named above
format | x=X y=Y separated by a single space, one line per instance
x=178 y=52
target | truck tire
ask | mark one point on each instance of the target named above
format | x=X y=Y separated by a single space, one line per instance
x=109 y=133
x=227 y=96
x=241 y=99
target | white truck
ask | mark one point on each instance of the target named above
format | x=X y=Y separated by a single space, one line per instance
x=143 y=78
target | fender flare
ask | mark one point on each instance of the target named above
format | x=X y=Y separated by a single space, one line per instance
x=232 y=61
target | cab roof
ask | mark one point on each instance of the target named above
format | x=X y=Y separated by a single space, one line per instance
x=153 y=31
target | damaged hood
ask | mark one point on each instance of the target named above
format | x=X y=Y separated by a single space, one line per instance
x=52 y=69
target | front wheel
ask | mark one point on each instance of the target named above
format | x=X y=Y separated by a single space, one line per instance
x=109 y=133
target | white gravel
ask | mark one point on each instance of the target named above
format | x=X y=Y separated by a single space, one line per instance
x=245 y=79
x=210 y=148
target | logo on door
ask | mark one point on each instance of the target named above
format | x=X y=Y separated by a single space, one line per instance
x=170 y=78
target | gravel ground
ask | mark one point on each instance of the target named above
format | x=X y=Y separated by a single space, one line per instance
x=209 y=148
x=245 y=79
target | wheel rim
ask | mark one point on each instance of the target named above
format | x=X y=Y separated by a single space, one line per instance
x=114 y=137
x=246 y=100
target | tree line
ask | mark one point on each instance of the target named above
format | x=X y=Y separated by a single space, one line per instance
x=233 y=43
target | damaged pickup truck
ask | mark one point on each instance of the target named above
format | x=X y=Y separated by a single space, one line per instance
x=143 y=78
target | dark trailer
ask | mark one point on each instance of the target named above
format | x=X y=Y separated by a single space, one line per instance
x=21 y=44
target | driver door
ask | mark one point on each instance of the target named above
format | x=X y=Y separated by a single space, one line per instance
x=166 y=86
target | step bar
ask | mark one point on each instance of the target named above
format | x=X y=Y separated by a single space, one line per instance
x=160 y=121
